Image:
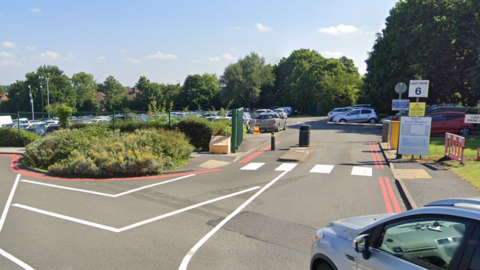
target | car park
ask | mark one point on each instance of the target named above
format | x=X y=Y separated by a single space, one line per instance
x=271 y=122
x=259 y=111
x=337 y=111
x=37 y=130
x=452 y=122
x=441 y=235
x=358 y=116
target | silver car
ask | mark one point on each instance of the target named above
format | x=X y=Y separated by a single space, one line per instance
x=271 y=122
x=331 y=114
x=358 y=116
x=442 y=235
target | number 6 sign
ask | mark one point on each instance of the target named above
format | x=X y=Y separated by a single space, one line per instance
x=418 y=88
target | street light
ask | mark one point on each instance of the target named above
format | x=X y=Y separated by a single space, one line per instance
x=48 y=99
x=31 y=100
x=41 y=90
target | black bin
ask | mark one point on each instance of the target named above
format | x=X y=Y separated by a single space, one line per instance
x=304 y=140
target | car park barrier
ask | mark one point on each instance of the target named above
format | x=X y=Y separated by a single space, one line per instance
x=354 y=124
x=454 y=147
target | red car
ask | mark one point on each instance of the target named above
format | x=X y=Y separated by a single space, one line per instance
x=452 y=122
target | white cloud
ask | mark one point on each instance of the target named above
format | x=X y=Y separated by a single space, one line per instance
x=331 y=54
x=10 y=63
x=8 y=44
x=31 y=48
x=228 y=56
x=339 y=30
x=161 y=55
x=263 y=28
x=101 y=59
x=214 y=59
x=134 y=61
x=236 y=28
x=69 y=57
x=36 y=10
x=122 y=51
x=50 y=55
x=7 y=55
x=195 y=61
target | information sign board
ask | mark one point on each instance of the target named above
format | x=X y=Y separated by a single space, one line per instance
x=4 y=120
x=400 y=104
x=417 y=109
x=472 y=118
x=414 y=135
x=418 y=88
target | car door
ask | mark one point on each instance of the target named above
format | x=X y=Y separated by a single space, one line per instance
x=438 y=124
x=425 y=241
x=353 y=116
x=365 y=115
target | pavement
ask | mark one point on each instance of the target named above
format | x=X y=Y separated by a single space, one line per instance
x=418 y=183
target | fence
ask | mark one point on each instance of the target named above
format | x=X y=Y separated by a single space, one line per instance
x=237 y=129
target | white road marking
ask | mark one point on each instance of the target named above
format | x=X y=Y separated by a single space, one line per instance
x=186 y=259
x=252 y=166
x=15 y=260
x=322 y=169
x=362 y=171
x=2 y=221
x=286 y=167
x=112 y=229
x=105 y=194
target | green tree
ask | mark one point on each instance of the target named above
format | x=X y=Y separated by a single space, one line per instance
x=113 y=90
x=200 y=92
x=243 y=81
x=64 y=113
x=149 y=92
x=434 y=40
x=85 y=87
x=3 y=90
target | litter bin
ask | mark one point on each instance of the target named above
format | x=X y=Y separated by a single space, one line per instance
x=385 y=129
x=304 y=139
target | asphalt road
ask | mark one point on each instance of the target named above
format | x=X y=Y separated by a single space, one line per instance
x=233 y=218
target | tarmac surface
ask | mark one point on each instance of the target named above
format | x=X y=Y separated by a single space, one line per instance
x=418 y=183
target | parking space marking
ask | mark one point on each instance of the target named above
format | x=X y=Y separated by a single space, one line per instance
x=112 y=229
x=2 y=221
x=106 y=194
x=252 y=166
x=322 y=169
x=361 y=171
x=199 y=244
x=286 y=167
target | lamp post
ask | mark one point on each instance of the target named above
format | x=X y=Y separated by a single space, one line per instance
x=41 y=91
x=31 y=100
x=48 y=100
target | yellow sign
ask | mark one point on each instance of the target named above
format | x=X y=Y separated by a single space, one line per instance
x=417 y=109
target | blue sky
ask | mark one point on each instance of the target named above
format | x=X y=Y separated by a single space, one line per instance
x=168 y=40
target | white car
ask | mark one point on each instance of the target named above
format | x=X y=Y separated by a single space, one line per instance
x=358 y=116
x=281 y=112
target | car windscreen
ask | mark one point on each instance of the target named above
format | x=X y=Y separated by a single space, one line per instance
x=265 y=116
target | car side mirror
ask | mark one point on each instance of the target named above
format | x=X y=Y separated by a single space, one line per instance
x=361 y=244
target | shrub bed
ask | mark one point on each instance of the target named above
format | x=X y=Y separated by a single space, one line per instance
x=10 y=137
x=200 y=130
x=98 y=151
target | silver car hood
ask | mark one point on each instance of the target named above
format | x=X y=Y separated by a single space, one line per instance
x=349 y=228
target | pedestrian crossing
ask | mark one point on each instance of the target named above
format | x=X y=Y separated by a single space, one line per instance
x=318 y=168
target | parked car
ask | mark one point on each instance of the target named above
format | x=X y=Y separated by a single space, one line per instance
x=281 y=112
x=211 y=116
x=259 y=111
x=441 y=235
x=271 y=122
x=37 y=130
x=358 y=116
x=452 y=122
x=337 y=111
x=356 y=106
x=248 y=120
x=395 y=117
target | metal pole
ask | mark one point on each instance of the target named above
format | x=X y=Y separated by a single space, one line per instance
x=48 y=100
x=31 y=101
x=272 y=147
x=18 y=126
x=41 y=90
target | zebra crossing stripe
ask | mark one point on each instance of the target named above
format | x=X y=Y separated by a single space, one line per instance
x=252 y=166
x=362 y=171
x=286 y=167
x=322 y=169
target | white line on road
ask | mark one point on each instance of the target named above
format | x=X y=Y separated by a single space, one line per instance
x=2 y=221
x=252 y=166
x=186 y=259
x=322 y=169
x=286 y=167
x=105 y=194
x=112 y=229
x=362 y=171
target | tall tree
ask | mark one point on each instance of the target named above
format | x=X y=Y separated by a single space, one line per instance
x=85 y=86
x=200 y=92
x=243 y=81
x=113 y=94
x=149 y=92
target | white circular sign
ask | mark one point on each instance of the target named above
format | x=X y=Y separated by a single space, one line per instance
x=400 y=88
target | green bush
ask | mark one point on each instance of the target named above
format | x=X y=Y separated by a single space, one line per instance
x=221 y=128
x=10 y=137
x=198 y=130
x=98 y=151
